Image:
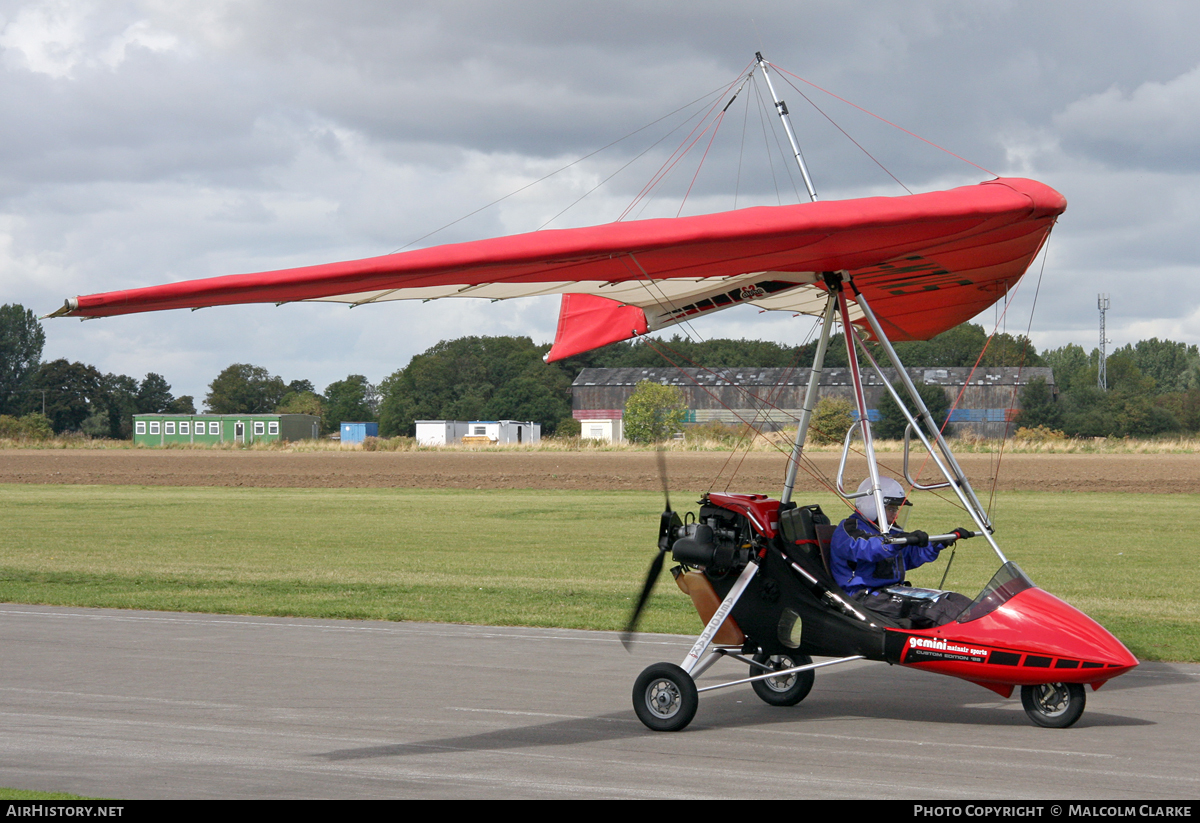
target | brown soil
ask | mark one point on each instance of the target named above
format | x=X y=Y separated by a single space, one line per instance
x=689 y=471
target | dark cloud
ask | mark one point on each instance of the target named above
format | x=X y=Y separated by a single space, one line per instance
x=145 y=142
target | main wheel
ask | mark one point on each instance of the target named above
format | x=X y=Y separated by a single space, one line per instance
x=664 y=697
x=1053 y=705
x=786 y=689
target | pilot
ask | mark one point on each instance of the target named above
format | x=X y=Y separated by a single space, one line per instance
x=866 y=567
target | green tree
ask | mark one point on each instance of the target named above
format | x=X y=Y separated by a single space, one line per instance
x=72 y=393
x=1173 y=366
x=1088 y=412
x=653 y=412
x=244 y=389
x=33 y=426
x=831 y=419
x=959 y=346
x=1038 y=407
x=568 y=427
x=531 y=397
x=711 y=354
x=353 y=399
x=469 y=379
x=154 y=394
x=1070 y=365
x=302 y=402
x=183 y=404
x=892 y=423
x=1184 y=407
x=21 y=342
x=119 y=398
x=1008 y=350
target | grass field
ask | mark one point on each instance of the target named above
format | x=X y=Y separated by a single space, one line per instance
x=563 y=559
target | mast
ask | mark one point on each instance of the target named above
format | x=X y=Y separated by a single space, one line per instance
x=814 y=379
x=810 y=399
x=782 y=108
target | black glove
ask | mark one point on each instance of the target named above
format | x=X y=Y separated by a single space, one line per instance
x=963 y=534
x=917 y=538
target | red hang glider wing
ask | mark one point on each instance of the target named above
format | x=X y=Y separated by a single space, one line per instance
x=926 y=262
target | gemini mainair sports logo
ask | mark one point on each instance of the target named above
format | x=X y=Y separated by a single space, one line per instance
x=743 y=294
x=923 y=649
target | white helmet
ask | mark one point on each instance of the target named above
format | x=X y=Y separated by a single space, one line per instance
x=893 y=495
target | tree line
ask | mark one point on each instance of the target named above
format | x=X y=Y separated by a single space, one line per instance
x=1153 y=388
x=1153 y=385
x=57 y=396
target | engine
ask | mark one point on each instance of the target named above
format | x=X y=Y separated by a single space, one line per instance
x=718 y=542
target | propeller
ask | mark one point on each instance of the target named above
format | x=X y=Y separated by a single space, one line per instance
x=668 y=523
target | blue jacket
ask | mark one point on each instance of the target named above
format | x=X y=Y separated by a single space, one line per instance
x=861 y=560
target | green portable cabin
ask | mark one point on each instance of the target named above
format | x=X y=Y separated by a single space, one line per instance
x=208 y=429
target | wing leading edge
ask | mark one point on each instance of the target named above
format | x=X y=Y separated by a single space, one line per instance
x=926 y=262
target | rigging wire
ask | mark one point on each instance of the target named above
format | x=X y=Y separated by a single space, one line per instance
x=706 y=95
x=633 y=160
x=737 y=186
x=816 y=476
x=771 y=400
x=1020 y=369
x=846 y=134
x=885 y=120
x=710 y=124
x=651 y=283
x=671 y=161
x=700 y=165
x=764 y=119
x=875 y=365
x=766 y=403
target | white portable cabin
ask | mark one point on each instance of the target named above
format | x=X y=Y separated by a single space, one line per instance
x=506 y=431
x=440 y=432
x=607 y=429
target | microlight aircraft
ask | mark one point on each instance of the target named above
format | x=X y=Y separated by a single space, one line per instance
x=885 y=268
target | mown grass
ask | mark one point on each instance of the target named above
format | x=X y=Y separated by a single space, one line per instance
x=536 y=558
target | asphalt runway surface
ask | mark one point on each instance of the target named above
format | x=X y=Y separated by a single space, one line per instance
x=126 y=704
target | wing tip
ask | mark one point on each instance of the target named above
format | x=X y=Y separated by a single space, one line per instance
x=69 y=307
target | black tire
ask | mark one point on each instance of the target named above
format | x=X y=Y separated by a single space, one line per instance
x=787 y=690
x=1053 y=705
x=664 y=697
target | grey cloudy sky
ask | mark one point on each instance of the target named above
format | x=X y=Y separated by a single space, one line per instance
x=144 y=142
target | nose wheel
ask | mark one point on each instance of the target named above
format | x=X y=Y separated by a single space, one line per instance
x=664 y=697
x=1053 y=705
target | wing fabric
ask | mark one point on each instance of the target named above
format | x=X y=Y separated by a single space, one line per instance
x=926 y=262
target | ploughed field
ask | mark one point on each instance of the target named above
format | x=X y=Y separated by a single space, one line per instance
x=586 y=470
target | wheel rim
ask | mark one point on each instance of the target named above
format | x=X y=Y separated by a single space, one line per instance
x=1052 y=699
x=783 y=682
x=663 y=699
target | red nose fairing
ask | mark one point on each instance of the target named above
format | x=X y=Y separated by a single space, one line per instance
x=1032 y=637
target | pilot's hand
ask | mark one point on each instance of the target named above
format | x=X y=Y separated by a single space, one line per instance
x=918 y=538
x=963 y=534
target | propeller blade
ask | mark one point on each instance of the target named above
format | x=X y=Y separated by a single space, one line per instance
x=662 y=475
x=667 y=526
x=651 y=578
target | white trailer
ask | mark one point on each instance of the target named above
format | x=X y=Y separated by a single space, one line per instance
x=440 y=432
